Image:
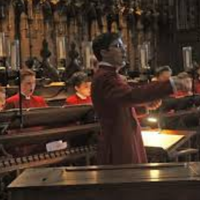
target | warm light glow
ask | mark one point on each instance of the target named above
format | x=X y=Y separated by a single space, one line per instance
x=152 y=119
x=93 y=176
x=154 y=174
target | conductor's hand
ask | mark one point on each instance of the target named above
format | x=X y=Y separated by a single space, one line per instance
x=154 y=105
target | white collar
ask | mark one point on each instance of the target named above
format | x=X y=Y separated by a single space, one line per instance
x=105 y=64
x=26 y=97
x=81 y=96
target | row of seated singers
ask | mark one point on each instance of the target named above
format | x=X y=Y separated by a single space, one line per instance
x=81 y=84
x=163 y=74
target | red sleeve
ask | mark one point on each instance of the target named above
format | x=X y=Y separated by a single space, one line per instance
x=115 y=90
x=89 y=100
x=41 y=101
x=71 y=100
x=11 y=102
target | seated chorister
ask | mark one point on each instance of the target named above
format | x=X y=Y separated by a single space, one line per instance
x=29 y=100
x=28 y=83
x=82 y=86
x=163 y=73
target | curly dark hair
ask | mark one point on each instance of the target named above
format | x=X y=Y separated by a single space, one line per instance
x=162 y=69
x=78 y=78
x=103 y=41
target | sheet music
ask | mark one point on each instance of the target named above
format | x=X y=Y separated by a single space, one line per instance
x=156 y=139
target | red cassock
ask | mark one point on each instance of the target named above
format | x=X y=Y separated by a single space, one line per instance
x=120 y=141
x=75 y=99
x=33 y=102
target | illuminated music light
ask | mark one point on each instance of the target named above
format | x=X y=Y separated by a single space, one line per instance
x=152 y=119
x=158 y=138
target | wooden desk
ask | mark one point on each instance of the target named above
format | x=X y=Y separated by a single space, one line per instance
x=125 y=182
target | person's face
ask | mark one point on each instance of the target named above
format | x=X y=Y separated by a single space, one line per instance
x=2 y=100
x=84 y=89
x=116 y=53
x=28 y=85
x=164 y=76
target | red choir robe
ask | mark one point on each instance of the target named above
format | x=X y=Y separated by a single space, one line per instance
x=120 y=141
x=180 y=94
x=75 y=99
x=33 y=102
